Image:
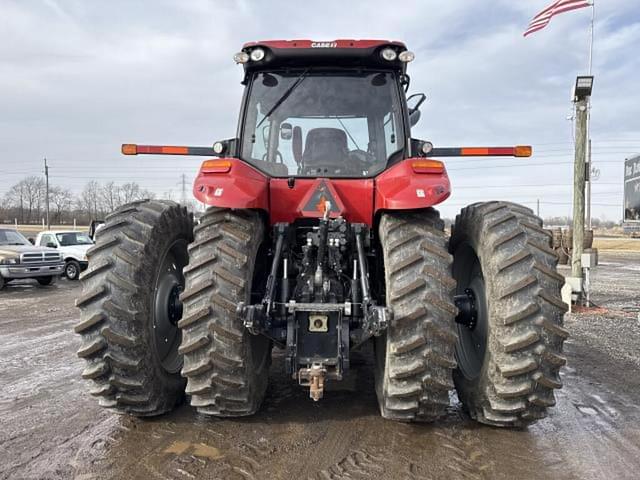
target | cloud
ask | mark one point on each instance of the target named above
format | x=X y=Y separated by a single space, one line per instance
x=79 y=78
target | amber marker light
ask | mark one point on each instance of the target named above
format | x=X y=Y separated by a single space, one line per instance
x=427 y=166
x=129 y=149
x=522 y=151
x=216 y=166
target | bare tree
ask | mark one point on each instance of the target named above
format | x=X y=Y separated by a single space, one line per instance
x=26 y=196
x=62 y=199
x=89 y=200
x=25 y=200
x=110 y=194
x=130 y=192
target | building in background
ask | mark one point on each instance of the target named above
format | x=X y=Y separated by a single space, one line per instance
x=631 y=218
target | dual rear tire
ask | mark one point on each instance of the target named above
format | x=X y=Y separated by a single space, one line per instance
x=505 y=364
x=509 y=361
x=129 y=308
x=158 y=311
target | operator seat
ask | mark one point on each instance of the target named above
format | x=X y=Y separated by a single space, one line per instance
x=325 y=147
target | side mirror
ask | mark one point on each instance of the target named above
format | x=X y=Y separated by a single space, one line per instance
x=286 y=131
x=31 y=240
x=414 y=117
x=52 y=245
x=414 y=101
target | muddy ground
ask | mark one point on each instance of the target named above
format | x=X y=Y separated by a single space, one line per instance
x=50 y=428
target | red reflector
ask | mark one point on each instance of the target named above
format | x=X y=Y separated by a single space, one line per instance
x=427 y=166
x=216 y=166
x=162 y=150
x=474 y=151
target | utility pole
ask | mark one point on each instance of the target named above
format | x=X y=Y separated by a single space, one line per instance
x=538 y=207
x=183 y=199
x=579 y=169
x=589 y=180
x=46 y=176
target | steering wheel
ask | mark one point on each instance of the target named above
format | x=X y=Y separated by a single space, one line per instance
x=279 y=158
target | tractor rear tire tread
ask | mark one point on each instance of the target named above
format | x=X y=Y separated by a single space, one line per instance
x=116 y=303
x=414 y=380
x=224 y=377
x=524 y=348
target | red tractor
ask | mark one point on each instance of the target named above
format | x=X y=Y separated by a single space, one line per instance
x=321 y=235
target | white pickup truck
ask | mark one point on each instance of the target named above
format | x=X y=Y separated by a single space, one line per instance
x=73 y=246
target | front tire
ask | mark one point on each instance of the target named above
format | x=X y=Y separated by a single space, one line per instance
x=44 y=281
x=72 y=270
x=509 y=357
x=226 y=367
x=415 y=357
x=129 y=308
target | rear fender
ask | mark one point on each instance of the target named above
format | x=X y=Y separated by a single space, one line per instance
x=400 y=188
x=242 y=186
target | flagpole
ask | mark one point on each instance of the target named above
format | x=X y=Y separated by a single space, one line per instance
x=588 y=135
x=593 y=14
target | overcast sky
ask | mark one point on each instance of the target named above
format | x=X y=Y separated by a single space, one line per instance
x=78 y=78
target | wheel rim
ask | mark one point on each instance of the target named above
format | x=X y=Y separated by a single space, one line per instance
x=72 y=271
x=167 y=308
x=472 y=341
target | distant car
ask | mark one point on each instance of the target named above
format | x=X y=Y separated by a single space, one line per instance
x=20 y=259
x=72 y=245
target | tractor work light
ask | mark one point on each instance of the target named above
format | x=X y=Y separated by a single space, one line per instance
x=218 y=147
x=389 y=54
x=406 y=56
x=426 y=147
x=241 y=57
x=257 y=54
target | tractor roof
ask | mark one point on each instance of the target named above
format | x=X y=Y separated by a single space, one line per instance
x=342 y=53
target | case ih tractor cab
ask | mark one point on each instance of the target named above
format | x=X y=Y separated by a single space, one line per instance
x=321 y=235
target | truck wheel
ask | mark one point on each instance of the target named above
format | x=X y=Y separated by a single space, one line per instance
x=510 y=352
x=44 y=281
x=226 y=367
x=72 y=270
x=415 y=358
x=130 y=308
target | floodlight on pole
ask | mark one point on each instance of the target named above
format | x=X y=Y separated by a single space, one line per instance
x=583 y=87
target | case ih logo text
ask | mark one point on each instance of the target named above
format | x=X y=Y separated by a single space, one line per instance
x=324 y=44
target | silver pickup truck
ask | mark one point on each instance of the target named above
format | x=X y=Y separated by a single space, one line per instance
x=20 y=259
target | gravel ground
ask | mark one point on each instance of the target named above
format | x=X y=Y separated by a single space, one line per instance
x=52 y=428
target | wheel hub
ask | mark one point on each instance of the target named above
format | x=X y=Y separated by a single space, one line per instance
x=71 y=270
x=167 y=311
x=467 y=309
x=174 y=306
x=472 y=318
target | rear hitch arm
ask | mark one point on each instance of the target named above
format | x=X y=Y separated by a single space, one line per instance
x=375 y=318
x=257 y=318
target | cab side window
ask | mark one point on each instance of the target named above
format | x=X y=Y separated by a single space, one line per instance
x=46 y=239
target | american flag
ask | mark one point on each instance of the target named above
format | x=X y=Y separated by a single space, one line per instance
x=542 y=19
